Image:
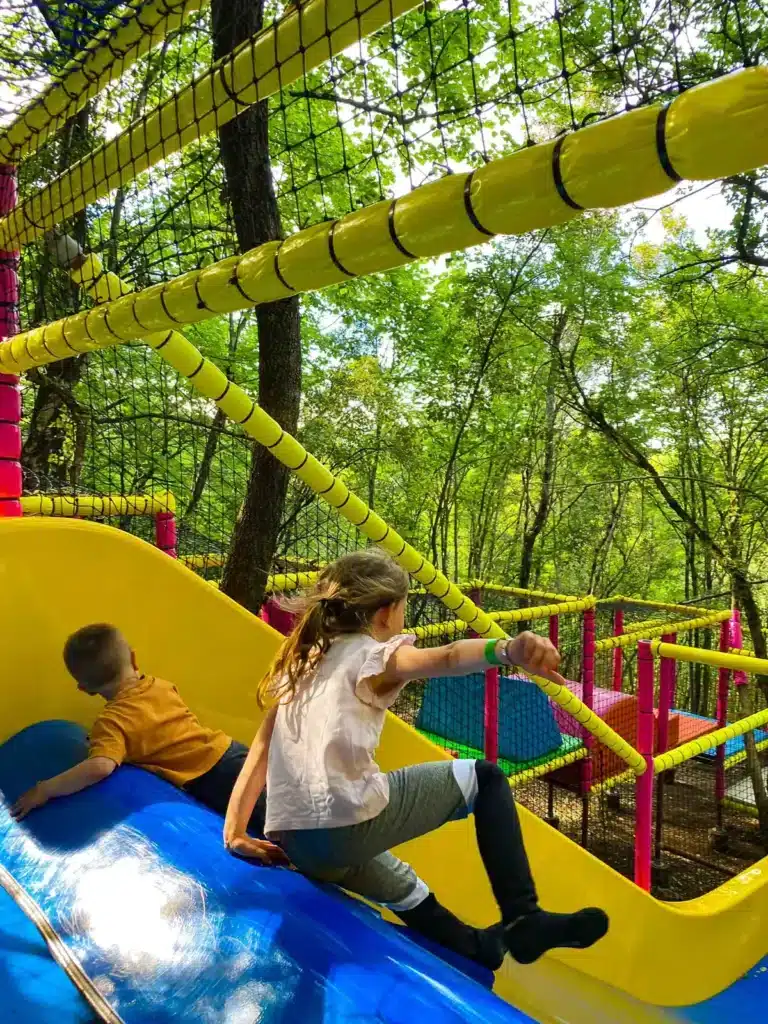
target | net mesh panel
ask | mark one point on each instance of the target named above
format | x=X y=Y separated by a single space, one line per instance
x=701 y=843
x=39 y=40
x=532 y=738
x=443 y=88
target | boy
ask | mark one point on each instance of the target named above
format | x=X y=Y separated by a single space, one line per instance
x=146 y=723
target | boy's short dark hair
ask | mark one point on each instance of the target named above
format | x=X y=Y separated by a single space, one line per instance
x=94 y=655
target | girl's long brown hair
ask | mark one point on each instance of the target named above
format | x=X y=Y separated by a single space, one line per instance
x=347 y=595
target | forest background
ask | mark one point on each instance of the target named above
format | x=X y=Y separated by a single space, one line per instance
x=582 y=409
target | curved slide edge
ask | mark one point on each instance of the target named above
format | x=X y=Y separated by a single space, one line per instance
x=134 y=879
x=32 y=986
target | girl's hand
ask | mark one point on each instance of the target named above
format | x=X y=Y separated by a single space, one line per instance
x=257 y=849
x=535 y=655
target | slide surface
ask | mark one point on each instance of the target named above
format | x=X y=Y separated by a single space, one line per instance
x=167 y=926
x=659 y=962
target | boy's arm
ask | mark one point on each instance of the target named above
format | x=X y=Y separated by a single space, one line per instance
x=533 y=654
x=245 y=793
x=71 y=781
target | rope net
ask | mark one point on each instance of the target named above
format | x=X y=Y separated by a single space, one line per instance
x=440 y=89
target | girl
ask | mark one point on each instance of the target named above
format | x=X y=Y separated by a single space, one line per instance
x=337 y=816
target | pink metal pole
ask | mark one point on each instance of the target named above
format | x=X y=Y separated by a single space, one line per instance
x=644 y=783
x=554 y=630
x=737 y=641
x=588 y=697
x=276 y=617
x=588 y=692
x=490 y=700
x=491 y=715
x=667 y=686
x=10 y=396
x=618 y=653
x=165 y=533
x=723 y=683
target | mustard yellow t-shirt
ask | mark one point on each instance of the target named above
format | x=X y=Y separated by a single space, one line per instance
x=149 y=725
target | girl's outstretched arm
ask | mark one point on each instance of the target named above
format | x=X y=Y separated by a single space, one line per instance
x=533 y=654
x=245 y=793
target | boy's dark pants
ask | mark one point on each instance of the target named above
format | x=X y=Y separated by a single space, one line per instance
x=214 y=788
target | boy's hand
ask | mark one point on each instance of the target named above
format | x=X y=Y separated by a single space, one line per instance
x=35 y=797
x=535 y=655
x=257 y=849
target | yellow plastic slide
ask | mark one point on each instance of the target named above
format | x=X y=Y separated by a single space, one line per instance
x=57 y=575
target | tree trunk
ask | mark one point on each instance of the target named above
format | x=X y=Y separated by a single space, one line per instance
x=531 y=535
x=244 y=146
x=373 y=475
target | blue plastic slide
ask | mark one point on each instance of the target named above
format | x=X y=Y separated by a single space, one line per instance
x=164 y=925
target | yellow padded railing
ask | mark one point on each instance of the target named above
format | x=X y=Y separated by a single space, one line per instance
x=672 y=758
x=90 y=506
x=602 y=732
x=636 y=627
x=304 y=38
x=211 y=382
x=683 y=609
x=208 y=561
x=105 y=58
x=496 y=588
x=741 y=755
x=612 y=782
x=541 y=611
x=741 y=806
x=711 y=131
x=630 y=639
x=283 y=582
x=718 y=659
x=529 y=774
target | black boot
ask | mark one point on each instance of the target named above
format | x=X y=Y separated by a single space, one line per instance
x=528 y=931
x=531 y=936
x=484 y=946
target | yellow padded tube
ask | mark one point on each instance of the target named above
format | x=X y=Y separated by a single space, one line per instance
x=209 y=381
x=672 y=758
x=495 y=588
x=719 y=659
x=105 y=58
x=301 y=40
x=88 y=506
x=429 y=221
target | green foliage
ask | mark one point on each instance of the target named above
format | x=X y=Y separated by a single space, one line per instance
x=490 y=403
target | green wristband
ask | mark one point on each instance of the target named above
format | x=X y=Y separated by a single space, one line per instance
x=490 y=653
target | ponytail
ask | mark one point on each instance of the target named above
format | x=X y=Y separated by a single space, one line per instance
x=348 y=594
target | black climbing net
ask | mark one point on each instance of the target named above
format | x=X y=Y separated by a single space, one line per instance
x=443 y=88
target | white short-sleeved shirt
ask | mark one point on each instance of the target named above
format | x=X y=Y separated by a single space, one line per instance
x=321 y=771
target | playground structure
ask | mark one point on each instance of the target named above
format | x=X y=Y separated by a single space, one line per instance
x=606 y=744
